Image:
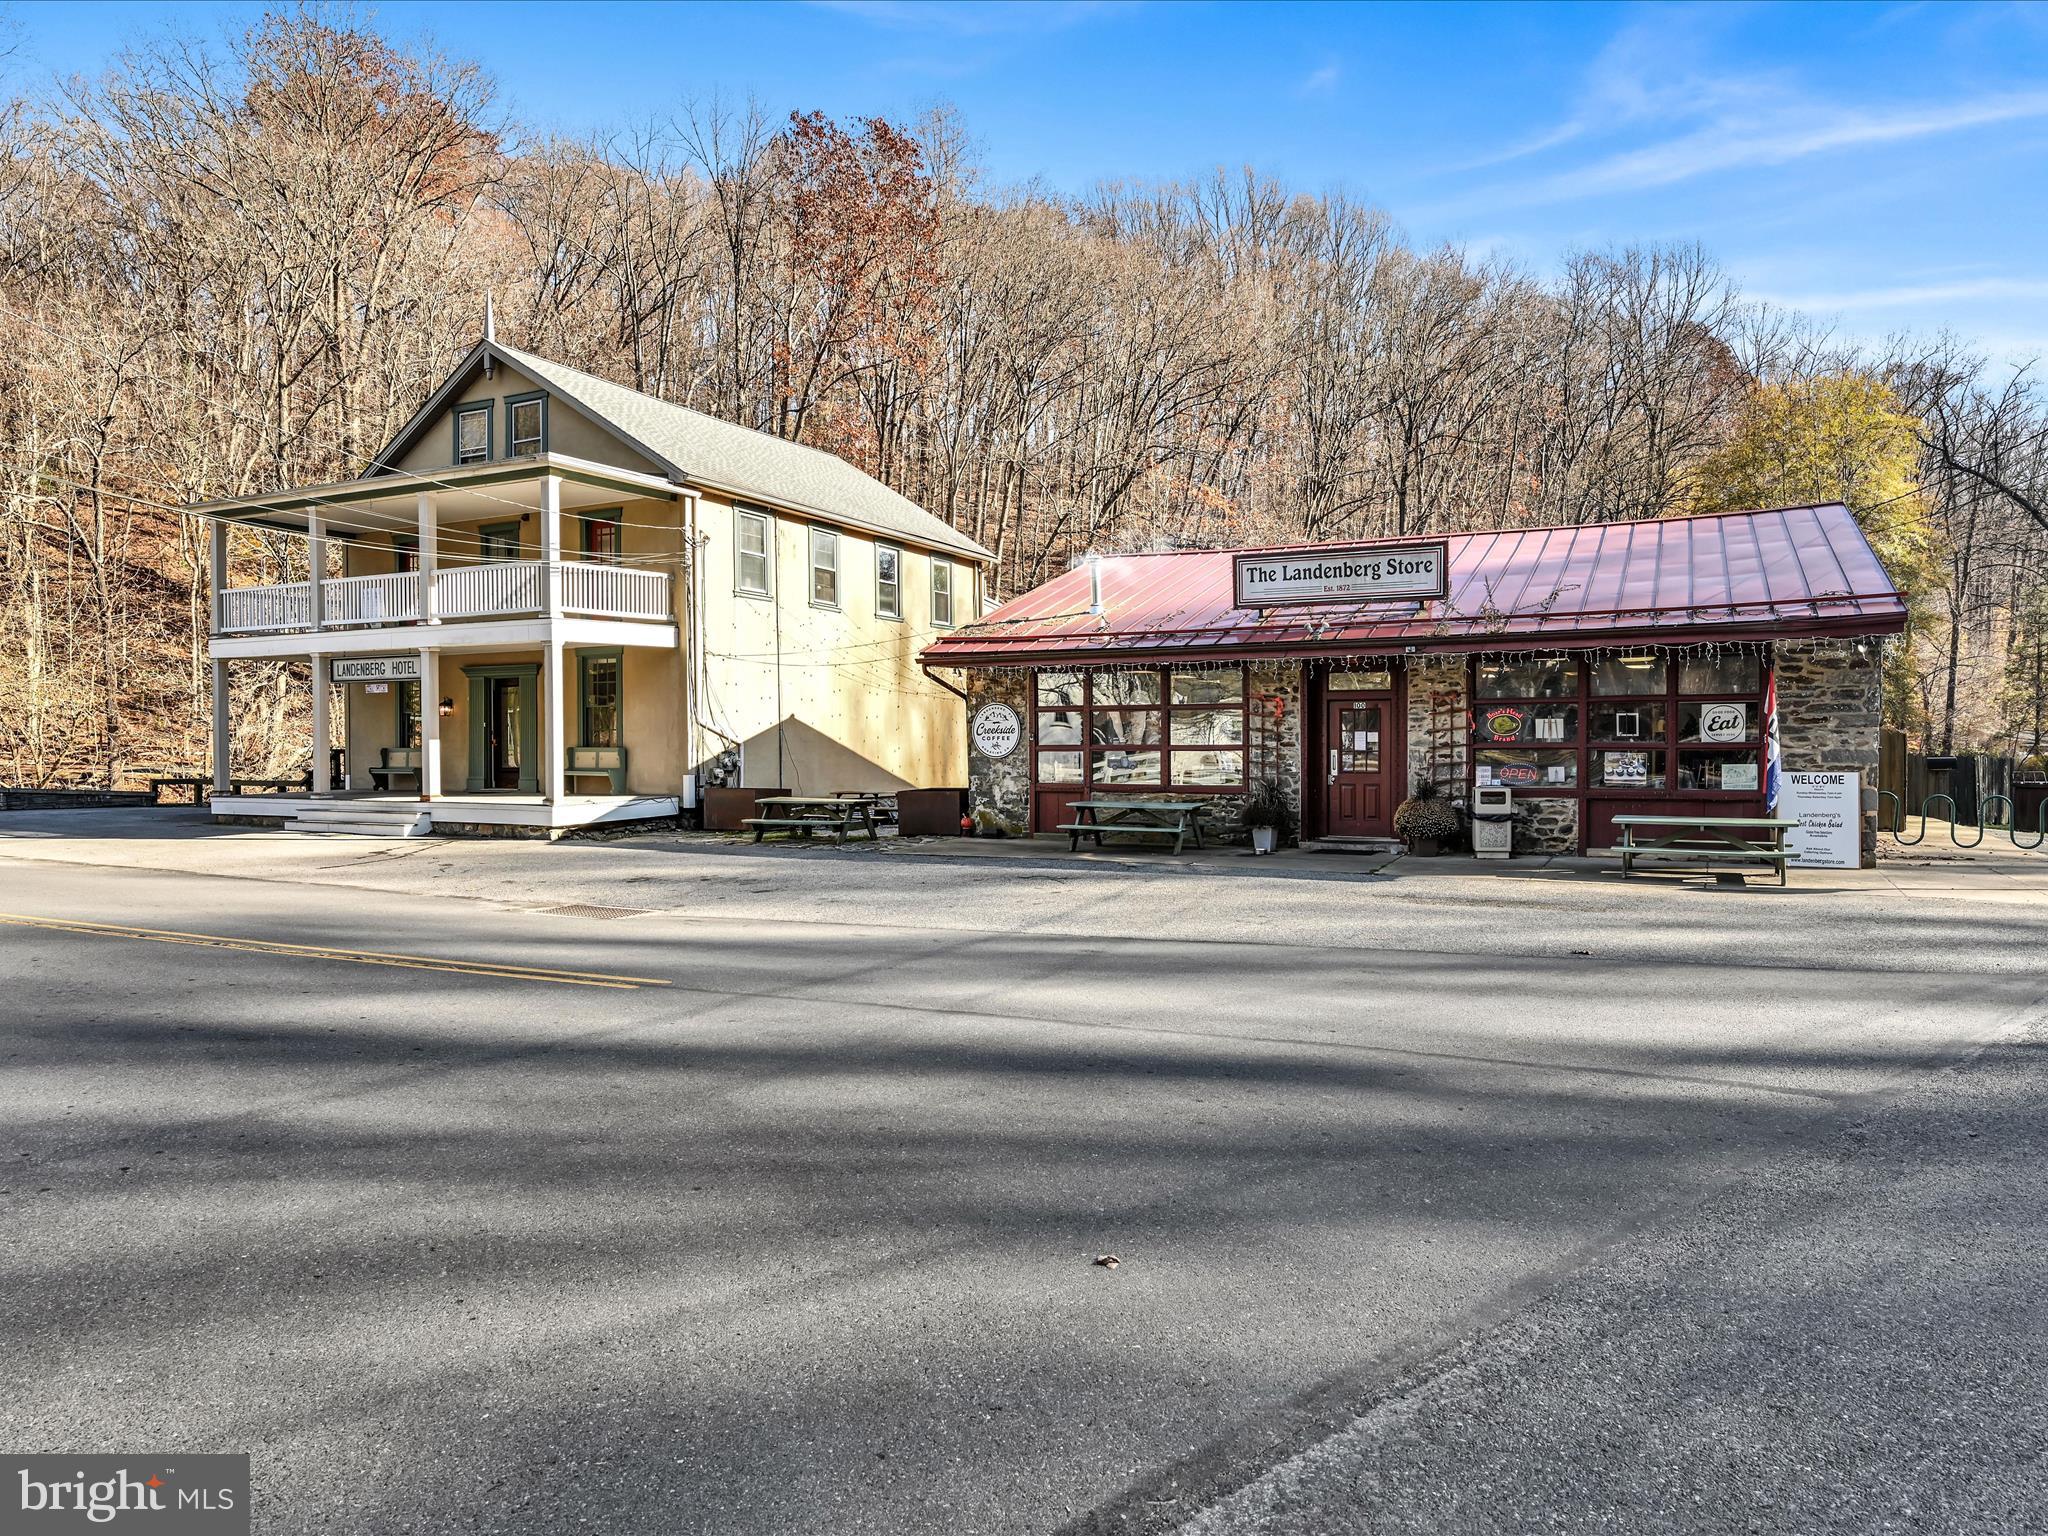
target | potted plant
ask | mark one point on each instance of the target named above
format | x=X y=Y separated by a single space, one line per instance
x=1426 y=820
x=1268 y=816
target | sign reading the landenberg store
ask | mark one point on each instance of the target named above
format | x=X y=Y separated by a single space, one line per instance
x=1365 y=573
x=376 y=669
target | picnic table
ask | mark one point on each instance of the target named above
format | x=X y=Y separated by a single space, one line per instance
x=1177 y=819
x=806 y=814
x=1743 y=841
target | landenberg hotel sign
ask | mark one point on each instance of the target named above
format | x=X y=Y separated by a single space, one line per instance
x=1364 y=573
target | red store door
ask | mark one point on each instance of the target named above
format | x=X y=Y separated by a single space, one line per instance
x=1357 y=799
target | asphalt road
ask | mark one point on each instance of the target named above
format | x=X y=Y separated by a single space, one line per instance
x=781 y=1214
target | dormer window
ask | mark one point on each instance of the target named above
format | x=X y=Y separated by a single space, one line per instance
x=526 y=426
x=473 y=434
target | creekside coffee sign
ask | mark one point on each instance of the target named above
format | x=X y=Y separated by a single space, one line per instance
x=1365 y=573
x=376 y=669
x=997 y=729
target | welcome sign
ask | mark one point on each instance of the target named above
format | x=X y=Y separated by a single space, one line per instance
x=1361 y=573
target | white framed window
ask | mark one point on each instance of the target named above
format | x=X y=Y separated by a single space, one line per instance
x=473 y=434
x=753 y=541
x=888 y=581
x=824 y=568
x=942 y=592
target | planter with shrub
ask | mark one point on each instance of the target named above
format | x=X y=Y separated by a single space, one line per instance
x=1268 y=817
x=1426 y=821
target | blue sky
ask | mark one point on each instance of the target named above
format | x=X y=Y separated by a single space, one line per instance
x=1885 y=166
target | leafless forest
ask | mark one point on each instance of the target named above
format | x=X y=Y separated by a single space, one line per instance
x=230 y=267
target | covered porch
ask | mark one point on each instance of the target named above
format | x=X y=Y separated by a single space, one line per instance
x=380 y=813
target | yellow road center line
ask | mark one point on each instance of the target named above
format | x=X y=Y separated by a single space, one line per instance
x=490 y=968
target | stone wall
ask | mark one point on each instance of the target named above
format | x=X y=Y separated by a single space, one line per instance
x=1546 y=825
x=1830 y=705
x=1279 y=699
x=999 y=788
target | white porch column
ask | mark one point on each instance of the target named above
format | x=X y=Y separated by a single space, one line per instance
x=554 y=749
x=430 y=552
x=551 y=540
x=323 y=688
x=430 y=724
x=223 y=731
x=316 y=561
x=217 y=568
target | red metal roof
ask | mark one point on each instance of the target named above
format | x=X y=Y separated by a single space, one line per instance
x=1734 y=575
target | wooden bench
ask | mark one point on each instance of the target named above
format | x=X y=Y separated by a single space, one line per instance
x=1703 y=841
x=806 y=814
x=237 y=784
x=201 y=786
x=1177 y=819
x=608 y=763
x=392 y=762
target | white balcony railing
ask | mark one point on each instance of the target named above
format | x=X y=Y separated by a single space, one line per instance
x=391 y=599
x=614 y=591
x=497 y=589
x=285 y=606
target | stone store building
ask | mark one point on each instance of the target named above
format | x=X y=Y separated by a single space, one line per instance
x=1619 y=668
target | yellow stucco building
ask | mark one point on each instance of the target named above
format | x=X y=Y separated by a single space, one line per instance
x=552 y=601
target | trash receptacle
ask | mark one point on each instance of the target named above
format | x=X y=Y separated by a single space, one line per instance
x=1493 y=822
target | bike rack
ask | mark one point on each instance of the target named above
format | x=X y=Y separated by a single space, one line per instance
x=1984 y=803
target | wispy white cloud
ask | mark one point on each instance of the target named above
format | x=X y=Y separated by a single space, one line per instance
x=1321 y=81
x=1906 y=295
x=1652 y=78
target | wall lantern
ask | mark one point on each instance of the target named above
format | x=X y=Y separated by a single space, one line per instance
x=447 y=706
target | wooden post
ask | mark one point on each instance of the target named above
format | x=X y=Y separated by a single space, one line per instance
x=554 y=751
x=323 y=688
x=551 y=541
x=430 y=724
x=429 y=557
x=316 y=561
x=223 y=730
x=217 y=566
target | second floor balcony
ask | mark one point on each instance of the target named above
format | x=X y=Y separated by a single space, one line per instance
x=499 y=589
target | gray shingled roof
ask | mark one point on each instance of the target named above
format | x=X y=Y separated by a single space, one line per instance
x=738 y=459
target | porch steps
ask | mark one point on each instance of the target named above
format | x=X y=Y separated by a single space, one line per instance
x=360 y=818
x=1378 y=846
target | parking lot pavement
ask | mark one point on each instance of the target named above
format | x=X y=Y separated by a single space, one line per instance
x=1852 y=1340
x=789 y=1225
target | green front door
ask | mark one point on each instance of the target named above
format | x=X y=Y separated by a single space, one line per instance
x=504 y=727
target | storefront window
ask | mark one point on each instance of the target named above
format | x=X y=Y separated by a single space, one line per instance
x=1635 y=769
x=600 y=700
x=1533 y=771
x=1720 y=674
x=1718 y=770
x=1722 y=720
x=1368 y=680
x=1126 y=768
x=1628 y=676
x=1059 y=727
x=1225 y=686
x=1060 y=688
x=1142 y=727
x=1208 y=770
x=1500 y=723
x=1629 y=722
x=1529 y=677
x=1124 y=727
x=1654 y=724
x=1059 y=767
